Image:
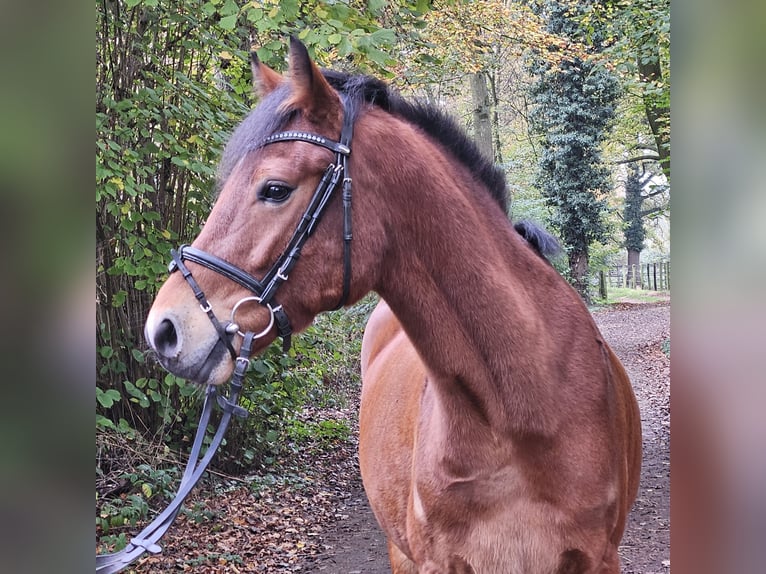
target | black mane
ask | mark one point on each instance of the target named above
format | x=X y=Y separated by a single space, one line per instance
x=359 y=90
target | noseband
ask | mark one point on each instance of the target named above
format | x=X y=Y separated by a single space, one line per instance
x=264 y=289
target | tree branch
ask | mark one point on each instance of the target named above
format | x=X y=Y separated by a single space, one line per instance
x=645 y=212
x=646 y=157
x=659 y=191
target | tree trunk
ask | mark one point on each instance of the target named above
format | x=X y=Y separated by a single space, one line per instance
x=498 y=148
x=482 y=116
x=634 y=267
x=578 y=267
x=657 y=113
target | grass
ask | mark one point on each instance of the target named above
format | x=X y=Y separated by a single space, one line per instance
x=627 y=295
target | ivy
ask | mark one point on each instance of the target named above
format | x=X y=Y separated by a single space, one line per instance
x=574 y=102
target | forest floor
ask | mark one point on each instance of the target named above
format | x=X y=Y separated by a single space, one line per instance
x=310 y=514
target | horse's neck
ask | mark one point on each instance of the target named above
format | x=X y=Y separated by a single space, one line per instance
x=476 y=327
x=468 y=292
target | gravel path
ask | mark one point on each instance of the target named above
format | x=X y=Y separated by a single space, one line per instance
x=637 y=334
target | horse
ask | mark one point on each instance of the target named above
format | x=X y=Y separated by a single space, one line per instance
x=499 y=433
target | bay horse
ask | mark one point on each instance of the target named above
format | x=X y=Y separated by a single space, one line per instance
x=499 y=433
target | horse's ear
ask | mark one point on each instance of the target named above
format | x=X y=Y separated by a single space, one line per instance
x=310 y=91
x=264 y=78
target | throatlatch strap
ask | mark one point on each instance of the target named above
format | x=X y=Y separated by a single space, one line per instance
x=347 y=132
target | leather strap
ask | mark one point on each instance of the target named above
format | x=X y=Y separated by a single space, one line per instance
x=203 y=302
x=146 y=540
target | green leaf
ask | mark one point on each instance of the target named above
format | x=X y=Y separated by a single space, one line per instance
x=132 y=3
x=107 y=398
x=102 y=421
x=378 y=56
x=171 y=379
x=229 y=7
x=119 y=298
x=228 y=22
x=376 y=6
x=334 y=38
x=383 y=37
x=208 y=9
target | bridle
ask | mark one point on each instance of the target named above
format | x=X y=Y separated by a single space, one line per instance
x=265 y=289
x=263 y=292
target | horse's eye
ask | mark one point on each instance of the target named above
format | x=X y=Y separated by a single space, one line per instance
x=275 y=192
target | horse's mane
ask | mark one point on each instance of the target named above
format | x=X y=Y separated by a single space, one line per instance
x=538 y=238
x=360 y=90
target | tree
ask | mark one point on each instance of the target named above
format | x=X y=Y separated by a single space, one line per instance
x=473 y=40
x=635 y=36
x=634 y=222
x=573 y=105
x=646 y=196
x=482 y=116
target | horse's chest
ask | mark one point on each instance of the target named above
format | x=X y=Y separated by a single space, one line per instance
x=491 y=523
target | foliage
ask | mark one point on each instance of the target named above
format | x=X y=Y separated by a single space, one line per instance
x=172 y=81
x=473 y=36
x=117 y=513
x=323 y=433
x=573 y=105
x=635 y=36
x=353 y=34
x=161 y=117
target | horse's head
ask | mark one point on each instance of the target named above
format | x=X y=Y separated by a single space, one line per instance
x=284 y=166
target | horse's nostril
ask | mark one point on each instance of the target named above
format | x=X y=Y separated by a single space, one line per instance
x=166 y=339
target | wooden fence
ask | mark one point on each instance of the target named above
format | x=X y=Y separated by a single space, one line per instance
x=649 y=276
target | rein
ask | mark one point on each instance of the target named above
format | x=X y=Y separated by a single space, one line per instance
x=146 y=540
x=263 y=290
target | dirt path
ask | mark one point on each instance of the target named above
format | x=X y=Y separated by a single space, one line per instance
x=636 y=333
x=357 y=546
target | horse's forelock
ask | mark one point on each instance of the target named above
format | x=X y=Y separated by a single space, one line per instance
x=266 y=119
